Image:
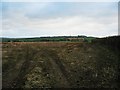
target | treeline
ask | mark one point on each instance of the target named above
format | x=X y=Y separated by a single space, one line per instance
x=113 y=42
x=47 y=39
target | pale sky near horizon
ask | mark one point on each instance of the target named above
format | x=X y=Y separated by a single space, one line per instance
x=36 y=19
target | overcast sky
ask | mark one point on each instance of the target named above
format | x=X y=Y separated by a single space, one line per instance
x=38 y=19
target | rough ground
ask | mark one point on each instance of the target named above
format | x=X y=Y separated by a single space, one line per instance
x=58 y=65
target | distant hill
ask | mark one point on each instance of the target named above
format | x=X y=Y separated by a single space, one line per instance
x=54 y=38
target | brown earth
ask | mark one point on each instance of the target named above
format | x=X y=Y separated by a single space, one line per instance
x=58 y=65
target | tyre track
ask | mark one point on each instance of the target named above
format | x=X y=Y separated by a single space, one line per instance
x=57 y=65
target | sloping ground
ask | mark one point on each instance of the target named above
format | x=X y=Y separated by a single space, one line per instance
x=59 y=65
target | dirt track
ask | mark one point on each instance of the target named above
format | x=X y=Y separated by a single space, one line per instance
x=58 y=66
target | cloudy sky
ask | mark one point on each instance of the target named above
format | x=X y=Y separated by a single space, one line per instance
x=36 y=19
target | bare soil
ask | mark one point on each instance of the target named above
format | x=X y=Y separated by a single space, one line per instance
x=58 y=65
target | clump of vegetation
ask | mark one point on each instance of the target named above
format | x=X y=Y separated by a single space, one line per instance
x=36 y=79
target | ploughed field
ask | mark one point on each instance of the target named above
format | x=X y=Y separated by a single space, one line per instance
x=58 y=65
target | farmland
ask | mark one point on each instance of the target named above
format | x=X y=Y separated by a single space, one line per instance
x=59 y=65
